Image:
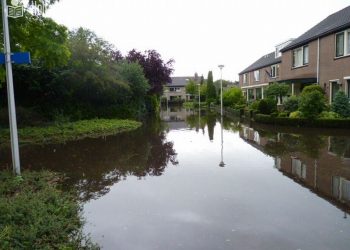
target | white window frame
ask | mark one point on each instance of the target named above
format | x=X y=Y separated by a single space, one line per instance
x=257 y=75
x=302 y=62
x=275 y=71
x=245 y=78
x=346 y=43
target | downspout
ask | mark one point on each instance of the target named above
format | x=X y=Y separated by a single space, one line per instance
x=318 y=61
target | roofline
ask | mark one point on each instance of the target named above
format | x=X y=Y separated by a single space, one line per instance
x=256 y=68
x=335 y=30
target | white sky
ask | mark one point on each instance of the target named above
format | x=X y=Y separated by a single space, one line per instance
x=198 y=34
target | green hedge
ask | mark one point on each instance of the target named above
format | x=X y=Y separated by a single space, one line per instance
x=302 y=122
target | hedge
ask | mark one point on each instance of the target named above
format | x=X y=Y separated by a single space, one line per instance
x=302 y=122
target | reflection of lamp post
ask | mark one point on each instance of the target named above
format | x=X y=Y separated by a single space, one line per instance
x=222 y=164
x=221 y=67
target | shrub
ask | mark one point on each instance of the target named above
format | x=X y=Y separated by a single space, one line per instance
x=312 y=102
x=312 y=88
x=283 y=114
x=232 y=97
x=341 y=104
x=328 y=115
x=267 y=106
x=295 y=114
x=254 y=105
x=291 y=104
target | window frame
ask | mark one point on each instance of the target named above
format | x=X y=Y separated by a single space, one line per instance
x=275 y=70
x=257 y=75
x=304 y=61
x=346 y=43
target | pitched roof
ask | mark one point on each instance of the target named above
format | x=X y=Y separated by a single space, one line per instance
x=333 y=23
x=264 y=61
x=179 y=81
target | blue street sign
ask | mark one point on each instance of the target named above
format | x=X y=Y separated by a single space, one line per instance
x=17 y=58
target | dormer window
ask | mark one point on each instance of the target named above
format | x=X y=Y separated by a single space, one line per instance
x=301 y=56
x=342 y=41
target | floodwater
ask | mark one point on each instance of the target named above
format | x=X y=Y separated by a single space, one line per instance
x=191 y=183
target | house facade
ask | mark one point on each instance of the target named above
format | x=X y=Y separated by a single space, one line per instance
x=175 y=91
x=255 y=79
x=319 y=56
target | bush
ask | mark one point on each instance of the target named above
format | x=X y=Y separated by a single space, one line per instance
x=328 y=115
x=35 y=214
x=232 y=97
x=291 y=104
x=312 y=88
x=341 y=104
x=283 y=114
x=267 y=106
x=254 y=105
x=312 y=102
x=295 y=114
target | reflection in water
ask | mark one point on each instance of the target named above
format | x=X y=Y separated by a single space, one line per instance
x=94 y=165
x=318 y=162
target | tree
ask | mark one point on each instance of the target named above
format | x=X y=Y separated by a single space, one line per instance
x=211 y=91
x=232 y=97
x=155 y=69
x=312 y=103
x=341 y=104
x=191 y=88
x=278 y=90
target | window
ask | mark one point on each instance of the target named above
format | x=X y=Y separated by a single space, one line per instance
x=301 y=56
x=257 y=75
x=275 y=71
x=335 y=88
x=342 y=43
x=258 y=93
x=244 y=78
x=298 y=168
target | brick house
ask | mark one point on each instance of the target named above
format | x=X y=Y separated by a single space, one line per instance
x=319 y=56
x=175 y=91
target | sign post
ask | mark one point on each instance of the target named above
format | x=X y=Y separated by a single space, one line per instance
x=10 y=91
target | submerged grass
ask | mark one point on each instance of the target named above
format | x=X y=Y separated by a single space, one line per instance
x=70 y=131
x=35 y=214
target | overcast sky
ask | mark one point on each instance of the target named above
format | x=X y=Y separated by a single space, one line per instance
x=198 y=34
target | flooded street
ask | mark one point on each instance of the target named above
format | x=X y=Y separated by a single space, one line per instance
x=161 y=187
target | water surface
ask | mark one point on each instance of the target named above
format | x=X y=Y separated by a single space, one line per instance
x=161 y=187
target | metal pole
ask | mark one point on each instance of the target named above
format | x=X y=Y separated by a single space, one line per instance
x=222 y=164
x=10 y=91
x=221 y=67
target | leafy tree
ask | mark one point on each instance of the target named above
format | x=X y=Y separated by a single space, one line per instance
x=233 y=97
x=211 y=91
x=278 y=90
x=341 y=104
x=312 y=88
x=191 y=88
x=155 y=69
x=312 y=103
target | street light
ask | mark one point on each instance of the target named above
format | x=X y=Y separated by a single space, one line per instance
x=221 y=67
x=222 y=164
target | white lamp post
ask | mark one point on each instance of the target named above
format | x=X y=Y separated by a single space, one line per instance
x=221 y=67
x=222 y=164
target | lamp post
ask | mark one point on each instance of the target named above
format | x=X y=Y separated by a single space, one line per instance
x=222 y=164
x=221 y=67
x=10 y=91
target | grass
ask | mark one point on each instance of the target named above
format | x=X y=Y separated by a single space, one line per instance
x=35 y=214
x=70 y=131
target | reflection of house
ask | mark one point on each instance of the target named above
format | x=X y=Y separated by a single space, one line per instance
x=175 y=91
x=327 y=175
x=175 y=116
x=319 y=56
